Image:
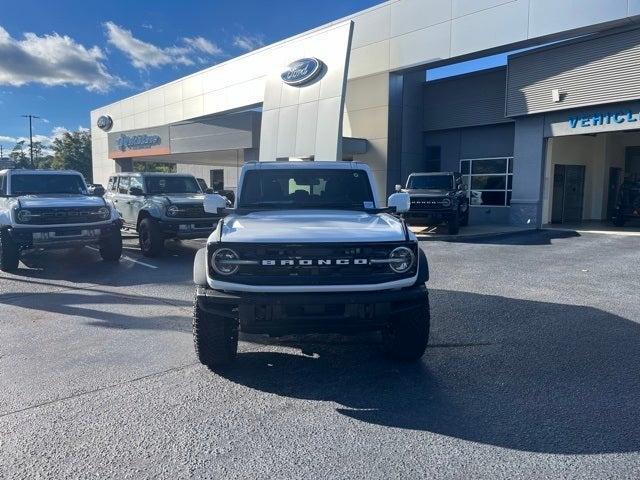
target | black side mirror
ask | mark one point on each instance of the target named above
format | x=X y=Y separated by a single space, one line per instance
x=136 y=191
x=98 y=191
x=208 y=190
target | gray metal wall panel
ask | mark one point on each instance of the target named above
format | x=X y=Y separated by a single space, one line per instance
x=591 y=72
x=465 y=101
x=476 y=142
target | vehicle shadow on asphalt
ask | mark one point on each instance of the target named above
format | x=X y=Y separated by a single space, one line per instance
x=518 y=374
x=532 y=237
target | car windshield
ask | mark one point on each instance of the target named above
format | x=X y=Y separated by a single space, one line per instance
x=306 y=188
x=430 y=182
x=162 y=185
x=47 y=184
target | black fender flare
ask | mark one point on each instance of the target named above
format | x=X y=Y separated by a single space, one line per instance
x=200 y=268
x=423 y=268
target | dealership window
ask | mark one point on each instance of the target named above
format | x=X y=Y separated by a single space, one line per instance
x=217 y=180
x=432 y=158
x=489 y=180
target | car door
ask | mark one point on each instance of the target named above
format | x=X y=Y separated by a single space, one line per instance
x=123 y=200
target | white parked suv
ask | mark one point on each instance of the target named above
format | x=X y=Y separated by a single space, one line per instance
x=46 y=209
x=307 y=249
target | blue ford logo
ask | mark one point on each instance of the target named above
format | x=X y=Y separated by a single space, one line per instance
x=105 y=123
x=302 y=72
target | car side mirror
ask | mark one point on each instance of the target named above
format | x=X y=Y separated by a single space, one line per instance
x=98 y=191
x=400 y=201
x=214 y=202
x=136 y=191
x=208 y=190
x=461 y=186
x=398 y=188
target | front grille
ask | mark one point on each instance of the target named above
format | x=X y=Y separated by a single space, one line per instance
x=195 y=210
x=333 y=274
x=63 y=216
x=427 y=204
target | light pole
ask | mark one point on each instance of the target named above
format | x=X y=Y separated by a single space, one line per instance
x=30 y=117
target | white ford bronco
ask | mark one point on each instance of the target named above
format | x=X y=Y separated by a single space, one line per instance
x=45 y=209
x=307 y=249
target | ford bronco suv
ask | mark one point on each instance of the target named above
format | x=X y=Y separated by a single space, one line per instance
x=160 y=206
x=43 y=209
x=437 y=198
x=308 y=249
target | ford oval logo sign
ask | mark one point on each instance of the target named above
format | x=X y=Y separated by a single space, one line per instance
x=105 y=123
x=302 y=71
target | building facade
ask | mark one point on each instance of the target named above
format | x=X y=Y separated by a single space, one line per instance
x=545 y=139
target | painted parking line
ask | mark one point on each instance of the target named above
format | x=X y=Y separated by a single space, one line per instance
x=129 y=259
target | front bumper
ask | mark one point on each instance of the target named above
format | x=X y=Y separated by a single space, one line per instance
x=63 y=236
x=188 y=228
x=295 y=313
x=429 y=215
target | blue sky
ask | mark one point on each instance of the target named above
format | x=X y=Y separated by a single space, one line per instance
x=61 y=59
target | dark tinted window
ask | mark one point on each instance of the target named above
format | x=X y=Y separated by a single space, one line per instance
x=170 y=184
x=123 y=185
x=3 y=184
x=47 y=184
x=217 y=180
x=310 y=188
x=430 y=182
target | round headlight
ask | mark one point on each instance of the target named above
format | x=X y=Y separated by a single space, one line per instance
x=173 y=210
x=104 y=213
x=223 y=263
x=24 y=216
x=402 y=259
x=446 y=202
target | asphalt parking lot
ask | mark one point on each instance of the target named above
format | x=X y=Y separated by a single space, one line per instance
x=533 y=371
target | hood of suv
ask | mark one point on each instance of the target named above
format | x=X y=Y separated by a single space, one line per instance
x=181 y=198
x=60 y=201
x=428 y=193
x=311 y=226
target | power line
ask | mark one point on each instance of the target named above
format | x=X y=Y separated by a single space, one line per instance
x=30 y=117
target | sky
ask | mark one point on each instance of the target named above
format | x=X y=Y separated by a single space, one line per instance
x=60 y=59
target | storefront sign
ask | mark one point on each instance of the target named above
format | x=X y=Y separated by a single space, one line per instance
x=593 y=120
x=139 y=143
x=302 y=71
x=604 y=118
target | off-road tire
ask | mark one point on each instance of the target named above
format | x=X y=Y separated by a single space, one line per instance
x=215 y=338
x=9 y=253
x=111 y=247
x=464 y=218
x=406 y=337
x=618 y=221
x=150 y=238
x=454 y=224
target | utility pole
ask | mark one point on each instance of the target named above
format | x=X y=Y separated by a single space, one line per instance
x=30 y=117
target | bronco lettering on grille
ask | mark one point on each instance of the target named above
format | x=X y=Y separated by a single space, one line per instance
x=311 y=262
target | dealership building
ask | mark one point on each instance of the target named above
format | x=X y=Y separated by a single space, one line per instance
x=548 y=138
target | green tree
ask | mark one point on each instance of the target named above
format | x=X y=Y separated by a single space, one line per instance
x=154 y=167
x=72 y=151
x=18 y=155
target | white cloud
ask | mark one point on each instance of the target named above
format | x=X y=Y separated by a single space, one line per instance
x=248 y=42
x=53 y=60
x=144 y=55
x=203 y=45
x=46 y=140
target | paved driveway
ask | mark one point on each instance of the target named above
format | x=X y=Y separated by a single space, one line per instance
x=533 y=371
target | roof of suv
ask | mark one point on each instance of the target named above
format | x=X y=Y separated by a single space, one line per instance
x=20 y=171
x=149 y=174
x=320 y=164
x=432 y=174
